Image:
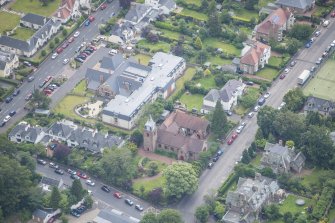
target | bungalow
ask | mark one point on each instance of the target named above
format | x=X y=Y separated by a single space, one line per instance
x=69 y=9
x=8 y=62
x=297 y=6
x=254 y=57
x=274 y=25
x=227 y=96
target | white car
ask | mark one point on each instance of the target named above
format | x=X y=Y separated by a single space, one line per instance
x=287 y=70
x=54 y=56
x=267 y=95
x=239 y=129
x=65 y=61
x=112 y=52
x=281 y=105
x=90 y=183
x=76 y=34
x=7 y=118
x=256 y=108
x=250 y=115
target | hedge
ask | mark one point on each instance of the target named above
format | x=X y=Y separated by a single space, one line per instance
x=257 y=81
x=168 y=26
x=323 y=203
x=232 y=178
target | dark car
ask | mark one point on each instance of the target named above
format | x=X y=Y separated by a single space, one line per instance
x=81 y=209
x=2 y=124
x=87 y=52
x=9 y=99
x=16 y=92
x=59 y=171
x=129 y=202
x=79 y=60
x=261 y=101
x=219 y=153
x=282 y=76
x=105 y=188
x=81 y=56
x=89 y=49
x=75 y=213
x=12 y=113
x=250 y=83
x=216 y=158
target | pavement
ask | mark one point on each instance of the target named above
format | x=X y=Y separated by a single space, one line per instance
x=55 y=68
x=212 y=179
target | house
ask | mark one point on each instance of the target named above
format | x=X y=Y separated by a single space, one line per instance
x=246 y=202
x=33 y=21
x=137 y=12
x=297 y=6
x=29 y=47
x=68 y=9
x=323 y=106
x=47 y=183
x=273 y=27
x=254 y=57
x=113 y=216
x=164 y=6
x=23 y=132
x=8 y=62
x=227 y=95
x=181 y=133
x=3 y=2
x=65 y=131
x=133 y=85
x=282 y=159
x=122 y=33
x=44 y=215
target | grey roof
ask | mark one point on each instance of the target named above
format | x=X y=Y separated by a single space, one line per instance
x=319 y=105
x=96 y=76
x=225 y=93
x=25 y=130
x=136 y=12
x=34 y=19
x=60 y=129
x=276 y=149
x=170 y=4
x=2 y=65
x=300 y=4
x=107 y=216
x=41 y=214
x=6 y=57
x=112 y=63
x=212 y=95
x=14 y=43
x=49 y=181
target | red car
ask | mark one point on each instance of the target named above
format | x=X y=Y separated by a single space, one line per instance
x=47 y=91
x=117 y=195
x=333 y=14
x=93 y=47
x=82 y=175
x=282 y=76
x=59 y=50
x=71 y=39
x=103 y=6
x=230 y=141
x=234 y=136
x=91 y=18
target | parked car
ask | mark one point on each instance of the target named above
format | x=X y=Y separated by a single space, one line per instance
x=234 y=136
x=31 y=78
x=75 y=213
x=7 y=118
x=294 y=62
x=80 y=60
x=27 y=63
x=91 y=18
x=90 y=183
x=89 y=49
x=117 y=195
x=59 y=50
x=138 y=207
x=76 y=34
x=239 y=129
x=103 y=6
x=267 y=95
x=42 y=162
x=82 y=175
x=286 y=70
x=66 y=44
x=71 y=171
x=230 y=141
x=261 y=101
x=129 y=202
x=53 y=165
x=256 y=108
x=250 y=83
x=219 y=152
x=75 y=177
x=65 y=61
x=210 y=165
x=12 y=113
x=112 y=52
x=250 y=114
x=105 y=188
x=317 y=33
x=313 y=69
x=16 y=92
x=282 y=76
x=281 y=105
x=9 y=99
x=54 y=56
x=215 y=158
x=87 y=23
x=332 y=14
x=2 y=124
x=59 y=171
x=42 y=84
x=71 y=39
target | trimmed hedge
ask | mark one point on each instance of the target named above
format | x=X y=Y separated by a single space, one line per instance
x=227 y=184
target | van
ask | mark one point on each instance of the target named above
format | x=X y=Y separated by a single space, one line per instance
x=261 y=101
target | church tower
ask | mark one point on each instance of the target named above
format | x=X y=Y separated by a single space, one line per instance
x=150 y=135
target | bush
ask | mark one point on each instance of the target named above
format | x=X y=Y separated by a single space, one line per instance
x=51 y=45
x=43 y=53
x=56 y=40
x=227 y=184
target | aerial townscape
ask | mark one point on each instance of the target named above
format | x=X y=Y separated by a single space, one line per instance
x=167 y=111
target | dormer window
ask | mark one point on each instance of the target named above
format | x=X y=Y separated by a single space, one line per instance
x=310 y=104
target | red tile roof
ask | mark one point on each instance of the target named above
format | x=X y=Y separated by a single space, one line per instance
x=275 y=20
x=65 y=9
x=254 y=54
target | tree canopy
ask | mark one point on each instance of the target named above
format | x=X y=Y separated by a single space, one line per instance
x=165 y=216
x=219 y=121
x=295 y=100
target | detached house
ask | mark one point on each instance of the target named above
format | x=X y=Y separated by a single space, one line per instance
x=246 y=202
x=282 y=159
x=33 y=21
x=181 y=133
x=297 y=6
x=228 y=96
x=8 y=62
x=164 y=6
x=274 y=25
x=137 y=12
x=254 y=57
x=69 y=9
x=323 y=106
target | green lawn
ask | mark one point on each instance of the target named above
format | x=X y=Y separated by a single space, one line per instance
x=267 y=73
x=275 y=61
x=247 y=30
x=323 y=83
x=148 y=184
x=80 y=88
x=11 y=19
x=207 y=82
x=290 y=206
x=67 y=105
x=188 y=75
x=172 y=35
x=143 y=59
x=192 y=101
x=226 y=47
x=216 y=60
x=331 y=215
x=194 y=2
x=256 y=161
x=23 y=33
x=154 y=47
x=35 y=6
x=246 y=14
x=194 y=14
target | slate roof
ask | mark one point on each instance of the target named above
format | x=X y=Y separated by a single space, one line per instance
x=225 y=93
x=300 y=4
x=41 y=214
x=112 y=63
x=25 y=130
x=6 y=57
x=2 y=65
x=254 y=54
x=319 y=105
x=95 y=78
x=60 y=129
x=136 y=12
x=49 y=181
x=34 y=19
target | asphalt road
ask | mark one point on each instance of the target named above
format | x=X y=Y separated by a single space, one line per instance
x=211 y=179
x=55 y=67
x=102 y=199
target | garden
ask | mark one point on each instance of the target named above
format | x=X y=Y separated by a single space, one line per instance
x=36 y=7
x=23 y=33
x=12 y=20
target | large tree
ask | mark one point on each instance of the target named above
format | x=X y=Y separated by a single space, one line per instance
x=181 y=179
x=77 y=190
x=301 y=31
x=117 y=166
x=55 y=198
x=265 y=118
x=219 y=121
x=202 y=213
x=295 y=100
x=40 y=100
x=165 y=216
